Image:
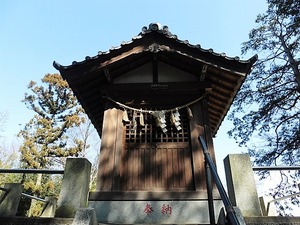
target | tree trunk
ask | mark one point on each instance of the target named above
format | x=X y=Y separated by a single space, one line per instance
x=292 y=61
x=33 y=201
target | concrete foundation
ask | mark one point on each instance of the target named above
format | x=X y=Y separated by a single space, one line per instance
x=154 y=212
x=85 y=216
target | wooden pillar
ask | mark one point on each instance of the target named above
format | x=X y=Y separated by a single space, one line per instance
x=207 y=131
x=108 y=177
x=199 y=125
x=196 y=129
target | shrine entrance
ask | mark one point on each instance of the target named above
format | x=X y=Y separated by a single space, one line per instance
x=156 y=160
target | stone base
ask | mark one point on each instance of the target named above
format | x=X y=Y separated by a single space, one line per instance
x=154 y=212
x=272 y=220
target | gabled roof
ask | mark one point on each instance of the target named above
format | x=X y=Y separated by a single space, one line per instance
x=225 y=74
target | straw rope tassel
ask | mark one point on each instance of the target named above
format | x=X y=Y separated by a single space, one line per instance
x=175 y=119
x=189 y=111
x=172 y=118
x=142 y=122
x=134 y=123
x=125 y=116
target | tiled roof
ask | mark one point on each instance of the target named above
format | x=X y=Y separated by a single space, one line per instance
x=155 y=27
x=226 y=74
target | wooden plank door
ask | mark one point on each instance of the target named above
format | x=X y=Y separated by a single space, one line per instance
x=152 y=160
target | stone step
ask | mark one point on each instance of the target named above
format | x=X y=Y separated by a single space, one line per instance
x=272 y=220
x=48 y=221
x=35 y=221
x=68 y=221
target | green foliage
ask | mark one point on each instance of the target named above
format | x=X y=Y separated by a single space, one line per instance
x=267 y=108
x=290 y=8
x=50 y=186
x=8 y=159
x=45 y=136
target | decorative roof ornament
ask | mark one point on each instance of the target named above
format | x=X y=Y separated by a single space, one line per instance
x=154 y=26
x=157 y=27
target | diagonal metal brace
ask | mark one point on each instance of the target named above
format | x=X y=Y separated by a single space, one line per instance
x=225 y=199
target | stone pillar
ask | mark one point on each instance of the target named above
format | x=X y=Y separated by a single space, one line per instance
x=241 y=184
x=268 y=208
x=50 y=207
x=85 y=216
x=75 y=187
x=9 y=200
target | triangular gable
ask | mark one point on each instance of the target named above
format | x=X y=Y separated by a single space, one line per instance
x=157 y=49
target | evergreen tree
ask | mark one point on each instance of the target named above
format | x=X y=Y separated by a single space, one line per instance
x=45 y=136
x=267 y=108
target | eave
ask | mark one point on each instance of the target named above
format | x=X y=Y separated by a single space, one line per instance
x=226 y=74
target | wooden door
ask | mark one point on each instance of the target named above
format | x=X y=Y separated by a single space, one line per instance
x=152 y=160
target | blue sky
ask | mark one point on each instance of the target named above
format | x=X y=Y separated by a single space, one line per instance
x=34 y=33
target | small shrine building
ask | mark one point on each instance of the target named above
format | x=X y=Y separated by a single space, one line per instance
x=149 y=99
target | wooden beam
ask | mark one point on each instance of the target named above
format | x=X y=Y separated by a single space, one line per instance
x=203 y=73
x=155 y=68
x=178 y=87
x=107 y=75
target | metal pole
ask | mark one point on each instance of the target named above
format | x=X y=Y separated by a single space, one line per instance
x=260 y=168
x=33 y=197
x=26 y=195
x=228 y=206
x=284 y=197
x=43 y=171
x=209 y=195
